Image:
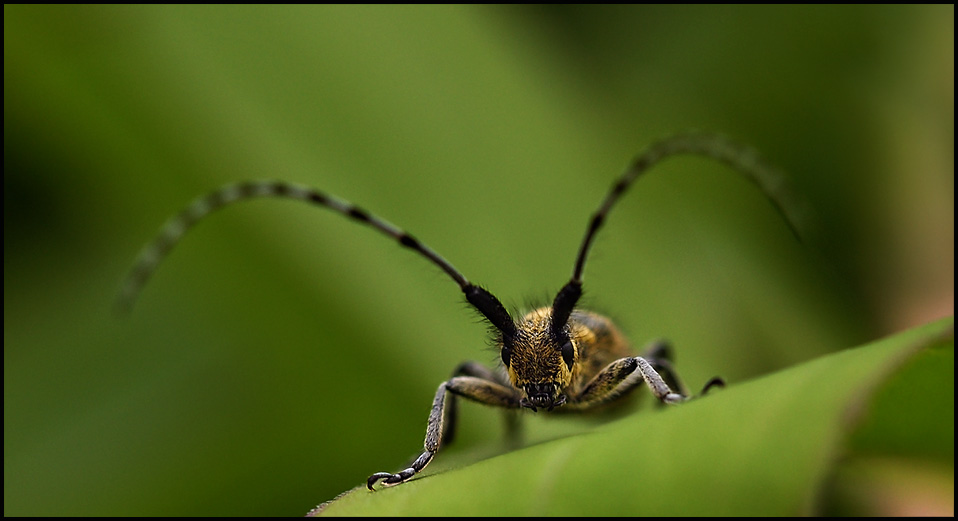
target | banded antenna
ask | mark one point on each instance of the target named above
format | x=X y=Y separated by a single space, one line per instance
x=174 y=230
x=739 y=157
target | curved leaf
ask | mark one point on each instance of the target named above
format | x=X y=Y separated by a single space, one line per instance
x=763 y=447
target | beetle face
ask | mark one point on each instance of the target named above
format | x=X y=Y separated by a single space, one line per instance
x=538 y=363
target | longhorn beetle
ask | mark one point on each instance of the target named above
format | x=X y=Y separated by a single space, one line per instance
x=557 y=357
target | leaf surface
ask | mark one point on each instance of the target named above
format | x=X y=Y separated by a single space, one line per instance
x=762 y=447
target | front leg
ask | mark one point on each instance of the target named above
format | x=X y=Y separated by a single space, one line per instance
x=624 y=374
x=480 y=371
x=659 y=355
x=620 y=377
x=470 y=387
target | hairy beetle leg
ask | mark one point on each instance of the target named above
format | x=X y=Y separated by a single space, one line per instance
x=475 y=388
x=389 y=479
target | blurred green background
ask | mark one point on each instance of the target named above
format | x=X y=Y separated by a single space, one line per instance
x=282 y=353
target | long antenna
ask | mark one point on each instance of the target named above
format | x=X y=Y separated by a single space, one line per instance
x=170 y=234
x=742 y=158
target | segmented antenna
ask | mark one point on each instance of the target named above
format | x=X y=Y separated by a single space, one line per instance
x=742 y=158
x=174 y=230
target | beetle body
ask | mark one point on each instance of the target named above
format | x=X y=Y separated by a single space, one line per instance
x=556 y=357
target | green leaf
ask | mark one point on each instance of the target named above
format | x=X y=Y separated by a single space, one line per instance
x=762 y=447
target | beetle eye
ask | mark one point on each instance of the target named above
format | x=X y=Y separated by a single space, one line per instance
x=506 y=353
x=568 y=353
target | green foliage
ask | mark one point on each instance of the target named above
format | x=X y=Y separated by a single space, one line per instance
x=281 y=354
x=766 y=447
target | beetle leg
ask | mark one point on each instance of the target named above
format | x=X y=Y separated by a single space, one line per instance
x=471 y=387
x=660 y=357
x=622 y=376
x=659 y=354
x=470 y=368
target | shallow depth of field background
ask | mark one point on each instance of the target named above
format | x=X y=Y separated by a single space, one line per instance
x=283 y=353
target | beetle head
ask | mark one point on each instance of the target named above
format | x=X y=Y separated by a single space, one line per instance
x=539 y=361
